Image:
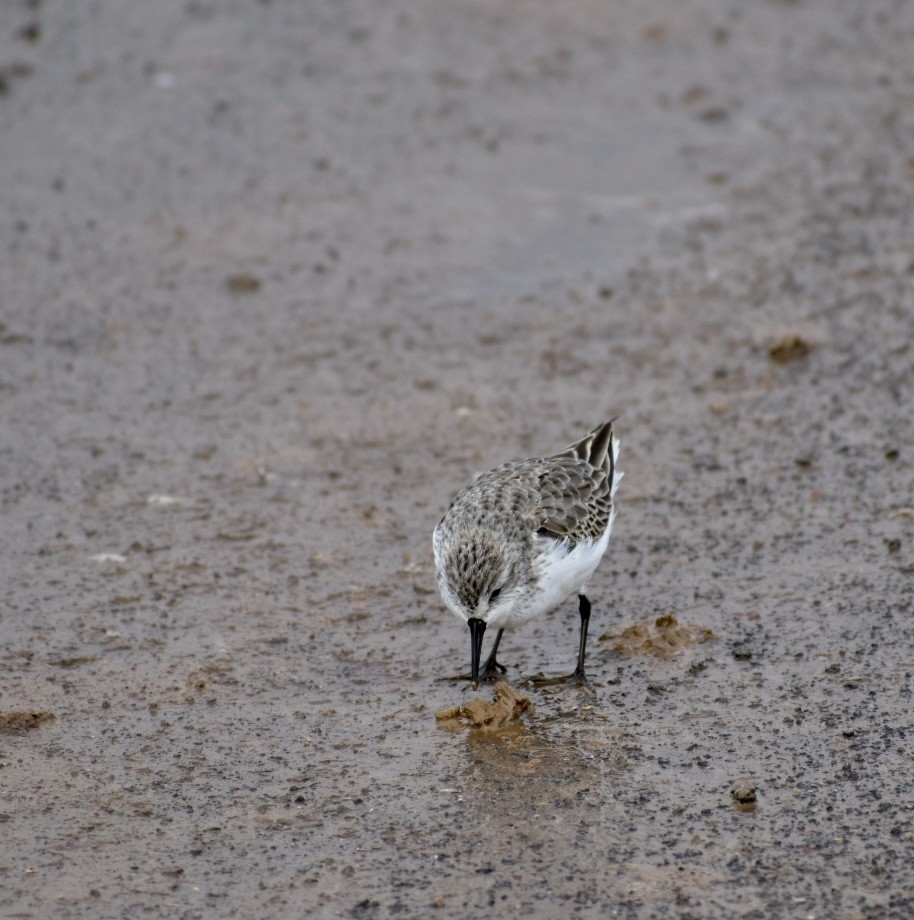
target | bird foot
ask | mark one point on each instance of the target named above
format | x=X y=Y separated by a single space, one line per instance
x=492 y=670
x=576 y=679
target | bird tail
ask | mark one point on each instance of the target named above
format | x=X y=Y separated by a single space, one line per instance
x=616 y=473
x=600 y=448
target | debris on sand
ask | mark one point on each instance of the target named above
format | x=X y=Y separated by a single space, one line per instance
x=744 y=796
x=507 y=706
x=243 y=283
x=17 y=720
x=789 y=348
x=663 y=637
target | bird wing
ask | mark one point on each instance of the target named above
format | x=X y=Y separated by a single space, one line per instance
x=575 y=501
x=577 y=487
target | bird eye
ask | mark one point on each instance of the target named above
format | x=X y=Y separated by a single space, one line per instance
x=494 y=595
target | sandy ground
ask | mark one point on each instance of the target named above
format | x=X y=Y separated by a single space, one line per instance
x=278 y=278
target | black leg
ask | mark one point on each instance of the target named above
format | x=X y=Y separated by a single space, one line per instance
x=492 y=667
x=577 y=676
x=584 y=613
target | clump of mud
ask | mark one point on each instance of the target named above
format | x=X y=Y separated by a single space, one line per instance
x=17 y=720
x=744 y=797
x=789 y=348
x=507 y=706
x=243 y=283
x=663 y=638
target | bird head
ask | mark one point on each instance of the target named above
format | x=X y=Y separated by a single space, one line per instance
x=478 y=577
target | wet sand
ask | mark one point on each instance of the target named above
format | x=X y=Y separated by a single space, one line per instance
x=278 y=279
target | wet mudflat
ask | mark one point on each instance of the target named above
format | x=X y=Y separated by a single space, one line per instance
x=278 y=279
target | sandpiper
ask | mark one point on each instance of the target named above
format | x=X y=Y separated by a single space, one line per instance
x=521 y=538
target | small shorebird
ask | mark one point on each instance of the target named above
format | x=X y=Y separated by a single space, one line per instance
x=520 y=539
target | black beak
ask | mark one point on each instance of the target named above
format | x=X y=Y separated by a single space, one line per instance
x=477 y=628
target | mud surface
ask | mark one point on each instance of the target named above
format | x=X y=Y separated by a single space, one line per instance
x=278 y=278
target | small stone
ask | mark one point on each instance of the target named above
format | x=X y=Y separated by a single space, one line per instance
x=744 y=794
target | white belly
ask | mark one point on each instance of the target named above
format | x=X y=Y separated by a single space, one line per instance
x=560 y=574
